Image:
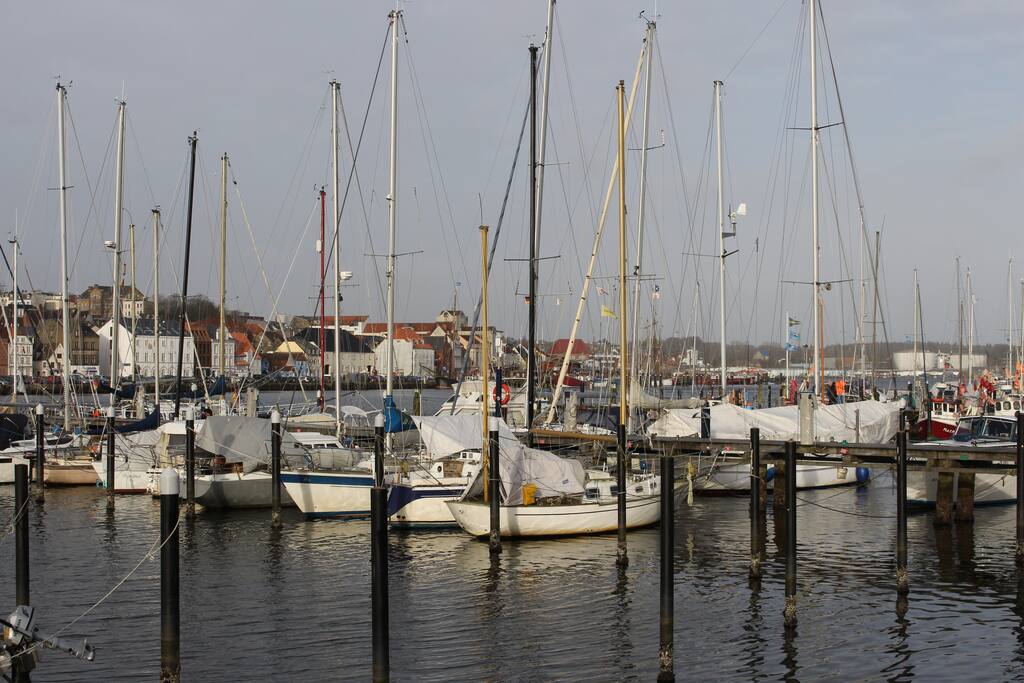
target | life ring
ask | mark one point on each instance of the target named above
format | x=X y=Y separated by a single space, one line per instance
x=506 y=394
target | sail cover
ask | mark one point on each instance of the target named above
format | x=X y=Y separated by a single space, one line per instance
x=878 y=422
x=638 y=398
x=552 y=475
x=444 y=435
x=243 y=439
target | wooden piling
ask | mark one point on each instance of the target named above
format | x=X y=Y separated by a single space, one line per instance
x=494 y=485
x=779 y=485
x=379 y=560
x=902 y=580
x=755 y=503
x=666 y=648
x=1020 y=490
x=190 y=463
x=275 y=467
x=789 y=612
x=621 y=556
x=170 y=604
x=943 y=499
x=110 y=458
x=21 y=563
x=965 y=496
x=40 y=454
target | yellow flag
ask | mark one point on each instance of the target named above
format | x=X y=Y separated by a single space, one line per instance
x=608 y=313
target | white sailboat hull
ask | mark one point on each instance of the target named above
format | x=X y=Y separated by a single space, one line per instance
x=130 y=475
x=422 y=505
x=556 y=520
x=733 y=478
x=7 y=463
x=989 y=489
x=330 y=494
x=234 y=490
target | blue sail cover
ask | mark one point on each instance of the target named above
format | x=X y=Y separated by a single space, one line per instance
x=392 y=416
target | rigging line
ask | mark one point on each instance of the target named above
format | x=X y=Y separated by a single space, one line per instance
x=756 y=38
x=142 y=163
x=37 y=174
x=494 y=246
x=504 y=128
x=88 y=183
x=354 y=173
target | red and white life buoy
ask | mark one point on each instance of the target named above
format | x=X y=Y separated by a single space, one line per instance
x=506 y=394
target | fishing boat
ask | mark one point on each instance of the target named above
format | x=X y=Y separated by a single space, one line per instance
x=985 y=431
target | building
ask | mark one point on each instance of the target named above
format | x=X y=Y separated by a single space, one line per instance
x=148 y=356
x=48 y=355
x=413 y=356
x=97 y=301
x=908 y=361
x=356 y=355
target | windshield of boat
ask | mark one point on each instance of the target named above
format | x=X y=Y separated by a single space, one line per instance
x=986 y=428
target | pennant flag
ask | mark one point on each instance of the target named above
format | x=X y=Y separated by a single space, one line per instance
x=794 y=336
x=656 y=294
x=790 y=347
x=608 y=313
x=602 y=290
x=793 y=322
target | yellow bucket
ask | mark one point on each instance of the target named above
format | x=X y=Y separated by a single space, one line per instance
x=529 y=494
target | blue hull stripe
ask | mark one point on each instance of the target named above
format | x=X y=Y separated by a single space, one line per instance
x=327 y=479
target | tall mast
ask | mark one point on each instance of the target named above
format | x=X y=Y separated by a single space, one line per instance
x=863 y=304
x=959 y=326
x=184 y=281
x=392 y=212
x=221 y=331
x=644 y=136
x=970 y=330
x=917 y=318
x=622 y=559
x=336 y=213
x=14 y=329
x=115 y=327
x=65 y=308
x=156 y=306
x=1009 y=319
x=721 y=235
x=542 y=138
x=819 y=370
x=531 y=349
x=135 y=315
x=874 y=310
x=322 y=400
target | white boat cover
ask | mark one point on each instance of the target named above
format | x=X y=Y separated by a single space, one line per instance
x=878 y=422
x=243 y=439
x=443 y=435
x=552 y=475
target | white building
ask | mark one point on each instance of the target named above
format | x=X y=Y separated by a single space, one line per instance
x=146 y=349
x=126 y=307
x=412 y=357
x=24 y=348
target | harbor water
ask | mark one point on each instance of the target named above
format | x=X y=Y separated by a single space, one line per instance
x=294 y=604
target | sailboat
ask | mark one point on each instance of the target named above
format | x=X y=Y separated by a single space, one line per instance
x=542 y=494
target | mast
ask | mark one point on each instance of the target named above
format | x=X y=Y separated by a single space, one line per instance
x=65 y=308
x=115 y=326
x=721 y=235
x=389 y=399
x=819 y=370
x=620 y=464
x=531 y=350
x=863 y=304
x=485 y=352
x=644 y=136
x=917 y=318
x=223 y=255
x=594 y=249
x=1009 y=324
x=540 y=143
x=156 y=305
x=693 y=348
x=184 y=281
x=336 y=212
x=14 y=330
x=135 y=315
x=874 y=311
x=323 y=314
x=970 y=330
x=959 y=326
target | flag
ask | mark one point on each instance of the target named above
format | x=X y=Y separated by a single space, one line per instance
x=602 y=290
x=790 y=347
x=608 y=313
x=794 y=335
x=656 y=294
x=793 y=322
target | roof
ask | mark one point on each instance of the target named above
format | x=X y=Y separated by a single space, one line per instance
x=579 y=348
x=348 y=342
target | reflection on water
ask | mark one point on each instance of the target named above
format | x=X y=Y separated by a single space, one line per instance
x=294 y=603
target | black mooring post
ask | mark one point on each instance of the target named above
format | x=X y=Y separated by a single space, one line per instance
x=110 y=458
x=275 y=467
x=40 y=453
x=755 y=503
x=705 y=421
x=666 y=649
x=789 y=613
x=902 y=582
x=379 y=558
x=494 y=486
x=21 y=565
x=1020 y=489
x=190 y=462
x=621 y=558
x=170 y=622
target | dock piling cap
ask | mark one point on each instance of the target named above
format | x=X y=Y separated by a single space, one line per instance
x=39 y=409
x=379 y=420
x=275 y=416
x=170 y=484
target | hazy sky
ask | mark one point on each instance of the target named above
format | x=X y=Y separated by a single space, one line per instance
x=930 y=90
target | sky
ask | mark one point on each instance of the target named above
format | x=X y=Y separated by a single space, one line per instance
x=928 y=89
